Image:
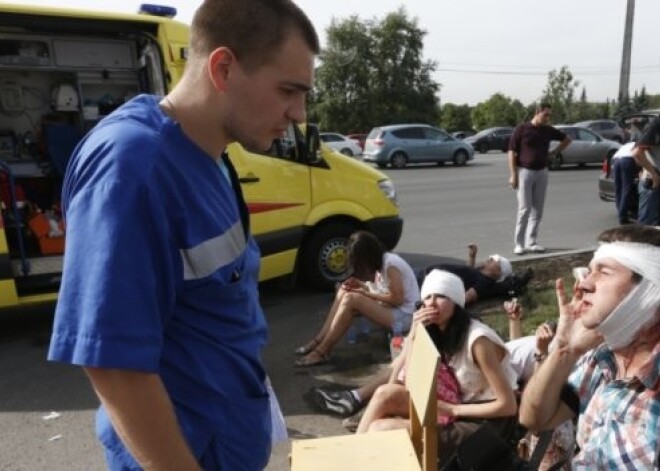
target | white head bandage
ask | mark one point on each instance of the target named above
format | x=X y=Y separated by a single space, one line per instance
x=505 y=265
x=445 y=284
x=639 y=308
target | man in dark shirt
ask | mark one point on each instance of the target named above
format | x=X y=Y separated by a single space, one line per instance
x=479 y=280
x=528 y=168
x=647 y=155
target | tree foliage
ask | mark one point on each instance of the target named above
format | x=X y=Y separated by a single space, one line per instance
x=455 y=117
x=498 y=110
x=373 y=73
x=559 y=93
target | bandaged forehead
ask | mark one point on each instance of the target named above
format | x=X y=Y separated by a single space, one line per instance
x=643 y=259
x=445 y=284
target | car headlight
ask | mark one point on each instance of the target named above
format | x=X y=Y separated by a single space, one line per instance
x=387 y=187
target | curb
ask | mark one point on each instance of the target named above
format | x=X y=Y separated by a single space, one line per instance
x=542 y=256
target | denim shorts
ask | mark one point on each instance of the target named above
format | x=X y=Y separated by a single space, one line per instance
x=401 y=321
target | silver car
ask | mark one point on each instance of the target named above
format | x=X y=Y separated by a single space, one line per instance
x=587 y=148
x=398 y=145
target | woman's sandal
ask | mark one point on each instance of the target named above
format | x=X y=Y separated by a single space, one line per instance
x=305 y=361
x=308 y=348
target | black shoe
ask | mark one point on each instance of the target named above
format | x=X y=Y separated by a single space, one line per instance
x=337 y=402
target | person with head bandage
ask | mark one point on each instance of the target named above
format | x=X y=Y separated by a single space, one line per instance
x=606 y=369
x=477 y=359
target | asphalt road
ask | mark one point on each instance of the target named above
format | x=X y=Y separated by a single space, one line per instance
x=444 y=209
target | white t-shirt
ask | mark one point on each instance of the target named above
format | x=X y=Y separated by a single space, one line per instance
x=624 y=151
x=522 y=356
x=474 y=386
x=408 y=279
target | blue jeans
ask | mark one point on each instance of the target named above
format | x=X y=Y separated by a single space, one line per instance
x=649 y=205
x=625 y=170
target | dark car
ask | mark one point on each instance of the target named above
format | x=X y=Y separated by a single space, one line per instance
x=491 y=139
x=608 y=128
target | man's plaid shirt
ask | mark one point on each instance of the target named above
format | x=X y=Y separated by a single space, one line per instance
x=619 y=424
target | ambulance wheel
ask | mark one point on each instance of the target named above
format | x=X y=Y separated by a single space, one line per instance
x=324 y=258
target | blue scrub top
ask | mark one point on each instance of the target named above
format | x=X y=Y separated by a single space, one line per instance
x=161 y=276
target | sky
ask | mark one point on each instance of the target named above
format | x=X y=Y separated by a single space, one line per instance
x=482 y=47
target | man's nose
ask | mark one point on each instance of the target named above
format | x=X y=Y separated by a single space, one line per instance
x=297 y=112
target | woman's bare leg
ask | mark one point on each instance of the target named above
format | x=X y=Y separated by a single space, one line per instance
x=350 y=304
x=318 y=338
x=389 y=400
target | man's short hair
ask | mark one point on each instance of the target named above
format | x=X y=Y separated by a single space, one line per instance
x=253 y=29
x=543 y=106
x=632 y=233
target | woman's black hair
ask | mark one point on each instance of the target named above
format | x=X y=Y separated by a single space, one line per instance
x=365 y=254
x=454 y=336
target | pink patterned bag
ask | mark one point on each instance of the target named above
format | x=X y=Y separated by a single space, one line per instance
x=447 y=389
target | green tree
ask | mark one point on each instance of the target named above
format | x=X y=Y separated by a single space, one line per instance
x=559 y=93
x=641 y=100
x=582 y=110
x=455 y=117
x=498 y=110
x=373 y=72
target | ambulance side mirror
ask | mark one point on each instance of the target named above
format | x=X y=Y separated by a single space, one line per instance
x=312 y=143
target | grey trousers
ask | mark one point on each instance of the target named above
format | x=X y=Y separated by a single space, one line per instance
x=532 y=186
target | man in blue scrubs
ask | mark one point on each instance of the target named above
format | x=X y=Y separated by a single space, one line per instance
x=159 y=297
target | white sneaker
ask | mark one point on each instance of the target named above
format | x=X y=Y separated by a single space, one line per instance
x=536 y=248
x=518 y=250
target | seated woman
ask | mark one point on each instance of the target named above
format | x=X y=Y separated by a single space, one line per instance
x=387 y=297
x=480 y=363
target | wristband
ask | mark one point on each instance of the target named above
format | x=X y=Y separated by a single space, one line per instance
x=539 y=357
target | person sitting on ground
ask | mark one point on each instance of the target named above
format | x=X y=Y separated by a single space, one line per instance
x=348 y=402
x=614 y=387
x=481 y=280
x=526 y=354
x=388 y=300
x=476 y=355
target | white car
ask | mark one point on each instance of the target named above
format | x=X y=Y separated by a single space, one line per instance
x=340 y=143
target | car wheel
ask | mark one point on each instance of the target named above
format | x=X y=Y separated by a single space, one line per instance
x=483 y=148
x=324 y=255
x=347 y=151
x=398 y=160
x=460 y=158
x=556 y=161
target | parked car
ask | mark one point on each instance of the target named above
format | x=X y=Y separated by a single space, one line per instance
x=340 y=143
x=400 y=144
x=358 y=138
x=608 y=128
x=491 y=139
x=587 y=148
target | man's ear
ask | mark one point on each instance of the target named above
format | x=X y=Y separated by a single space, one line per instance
x=220 y=63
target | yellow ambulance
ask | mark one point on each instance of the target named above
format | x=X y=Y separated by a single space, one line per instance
x=63 y=70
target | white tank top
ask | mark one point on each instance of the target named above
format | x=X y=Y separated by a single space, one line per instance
x=474 y=386
x=410 y=287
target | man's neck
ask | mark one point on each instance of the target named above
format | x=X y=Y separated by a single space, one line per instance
x=189 y=106
x=632 y=357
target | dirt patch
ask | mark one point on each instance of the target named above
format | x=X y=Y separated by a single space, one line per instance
x=548 y=269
